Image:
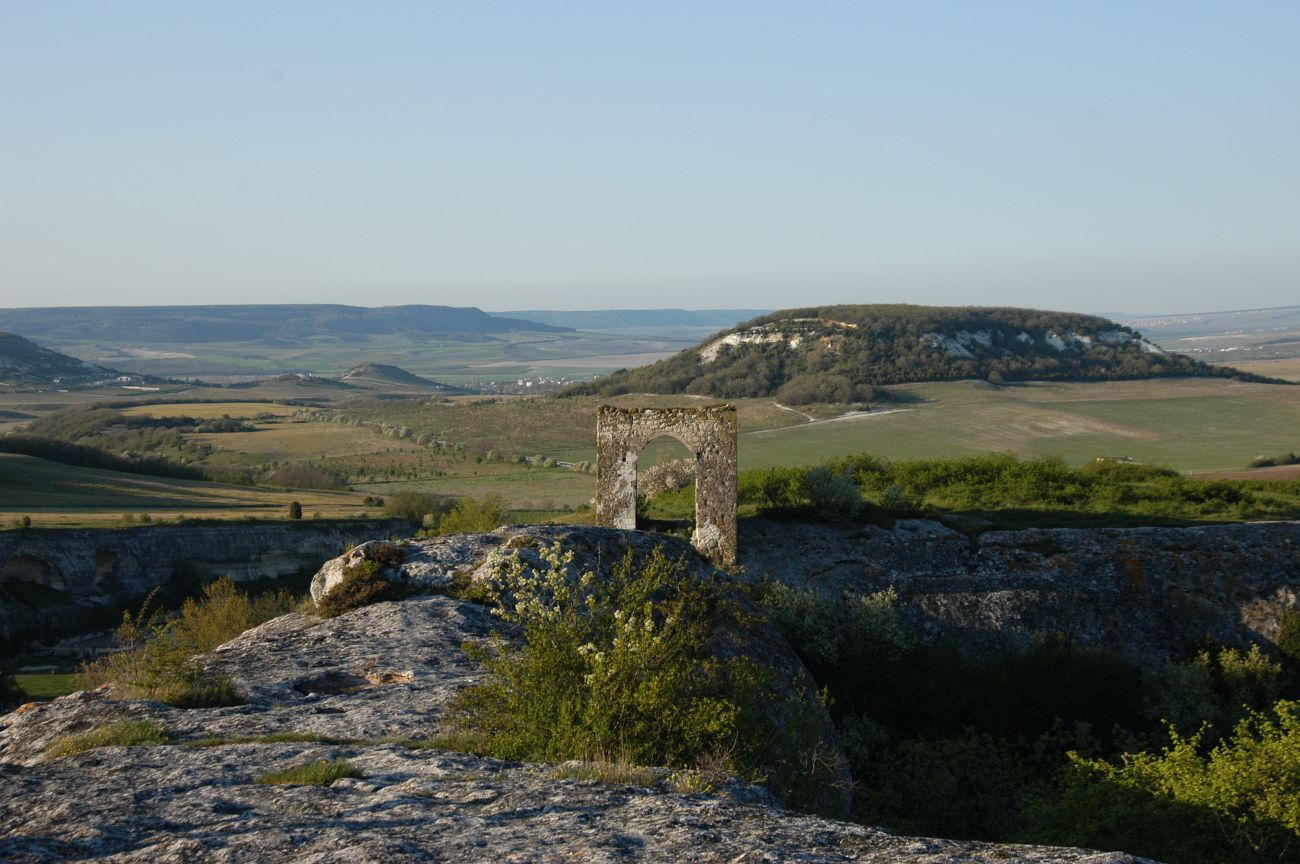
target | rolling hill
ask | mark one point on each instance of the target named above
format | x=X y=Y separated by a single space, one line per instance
x=24 y=363
x=385 y=376
x=840 y=353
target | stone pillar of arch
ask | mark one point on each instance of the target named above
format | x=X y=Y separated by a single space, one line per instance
x=709 y=433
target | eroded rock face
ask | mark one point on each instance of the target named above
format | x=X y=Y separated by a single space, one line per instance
x=1143 y=593
x=90 y=568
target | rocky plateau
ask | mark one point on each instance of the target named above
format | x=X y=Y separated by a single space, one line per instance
x=372 y=686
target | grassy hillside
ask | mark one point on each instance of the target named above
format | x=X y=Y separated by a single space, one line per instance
x=841 y=353
x=24 y=362
x=382 y=375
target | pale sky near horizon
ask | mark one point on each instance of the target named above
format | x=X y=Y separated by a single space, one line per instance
x=1135 y=157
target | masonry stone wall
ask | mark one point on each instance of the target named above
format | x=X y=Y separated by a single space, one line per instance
x=709 y=433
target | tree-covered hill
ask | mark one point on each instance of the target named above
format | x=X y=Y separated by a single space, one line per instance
x=841 y=353
x=23 y=362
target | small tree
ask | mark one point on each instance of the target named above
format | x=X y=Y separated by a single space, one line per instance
x=295 y=510
x=27 y=521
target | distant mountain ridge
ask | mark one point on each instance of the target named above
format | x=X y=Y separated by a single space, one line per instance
x=1200 y=323
x=24 y=362
x=199 y=324
x=638 y=319
x=840 y=353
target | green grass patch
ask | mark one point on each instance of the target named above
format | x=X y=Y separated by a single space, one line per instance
x=44 y=687
x=125 y=733
x=608 y=773
x=319 y=773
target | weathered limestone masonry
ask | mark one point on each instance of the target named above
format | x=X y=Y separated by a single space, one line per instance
x=710 y=433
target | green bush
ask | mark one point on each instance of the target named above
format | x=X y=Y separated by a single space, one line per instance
x=1288 y=637
x=645 y=664
x=415 y=507
x=1218 y=688
x=832 y=494
x=470 y=515
x=826 y=630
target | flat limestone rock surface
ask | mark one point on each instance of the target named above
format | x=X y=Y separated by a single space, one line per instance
x=386 y=670
x=187 y=804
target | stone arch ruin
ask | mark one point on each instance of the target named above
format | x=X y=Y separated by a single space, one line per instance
x=709 y=433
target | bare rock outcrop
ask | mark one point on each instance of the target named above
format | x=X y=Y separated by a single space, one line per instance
x=365 y=682
x=184 y=804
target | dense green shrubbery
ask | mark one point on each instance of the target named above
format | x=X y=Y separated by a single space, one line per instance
x=642 y=667
x=1024 y=745
x=437 y=515
x=1270 y=461
x=1007 y=489
x=154 y=656
x=1239 y=801
x=85 y=456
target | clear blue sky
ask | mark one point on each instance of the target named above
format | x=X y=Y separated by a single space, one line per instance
x=1097 y=156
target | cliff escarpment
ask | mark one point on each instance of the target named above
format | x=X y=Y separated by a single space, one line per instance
x=47 y=574
x=1146 y=594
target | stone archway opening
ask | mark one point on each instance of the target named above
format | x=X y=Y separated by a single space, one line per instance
x=709 y=434
x=665 y=487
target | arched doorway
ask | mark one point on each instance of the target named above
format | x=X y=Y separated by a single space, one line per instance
x=665 y=487
x=708 y=433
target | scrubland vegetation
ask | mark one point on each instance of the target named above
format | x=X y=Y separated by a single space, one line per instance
x=998 y=491
x=641 y=666
x=1057 y=744
x=154 y=655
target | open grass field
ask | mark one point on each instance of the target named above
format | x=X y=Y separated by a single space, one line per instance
x=305 y=440
x=212 y=410
x=1186 y=424
x=56 y=495
x=1192 y=425
x=44 y=687
x=1287 y=369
